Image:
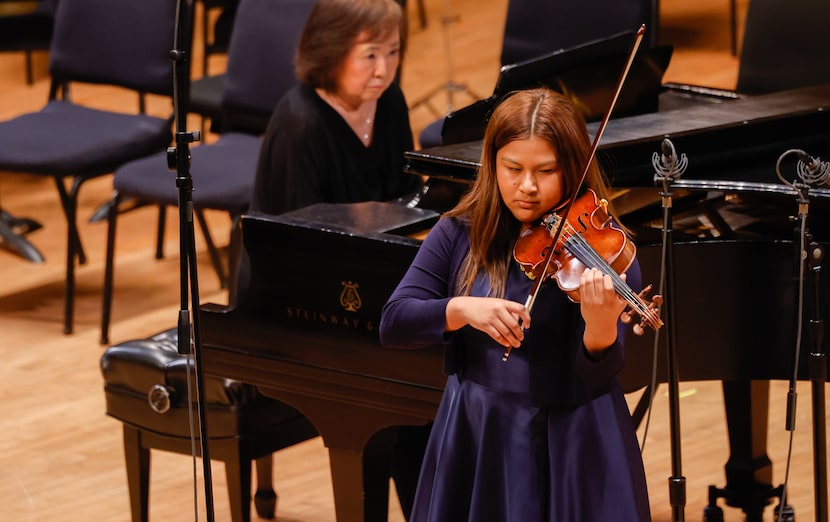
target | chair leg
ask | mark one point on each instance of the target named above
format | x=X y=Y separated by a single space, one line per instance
x=162 y=223
x=215 y=258
x=203 y=125
x=30 y=79
x=69 y=203
x=74 y=249
x=109 y=269
x=205 y=31
x=733 y=22
x=138 y=473
x=422 y=14
x=265 y=499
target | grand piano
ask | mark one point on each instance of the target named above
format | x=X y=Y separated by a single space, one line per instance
x=305 y=331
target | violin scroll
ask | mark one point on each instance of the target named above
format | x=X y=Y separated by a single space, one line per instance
x=649 y=315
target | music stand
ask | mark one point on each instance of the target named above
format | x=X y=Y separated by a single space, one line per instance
x=451 y=86
x=587 y=72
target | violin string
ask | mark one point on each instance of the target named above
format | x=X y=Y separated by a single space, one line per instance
x=577 y=244
x=587 y=255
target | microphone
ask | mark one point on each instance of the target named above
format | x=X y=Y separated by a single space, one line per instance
x=668 y=151
x=812 y=171
x=666 y=164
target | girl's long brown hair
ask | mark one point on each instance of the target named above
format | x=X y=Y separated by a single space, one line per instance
x=523 y=114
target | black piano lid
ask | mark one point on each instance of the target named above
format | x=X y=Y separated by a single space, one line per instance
x=368 y=218
x=541 y=70
x=458 y=162
x=734 y=141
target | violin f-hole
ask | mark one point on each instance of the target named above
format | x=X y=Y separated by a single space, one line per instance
x=581 y=222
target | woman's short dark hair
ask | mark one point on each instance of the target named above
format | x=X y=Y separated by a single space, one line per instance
x=331 y=30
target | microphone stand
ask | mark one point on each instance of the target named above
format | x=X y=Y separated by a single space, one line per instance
x=811 y=172
x=178 y=159
x=667 y=168
x=451 y=86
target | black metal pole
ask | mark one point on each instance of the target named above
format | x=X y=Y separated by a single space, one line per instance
x=818 y=378
x=178 y=158
x=677 y=482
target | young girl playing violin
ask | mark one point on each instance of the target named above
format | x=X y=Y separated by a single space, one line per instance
x=545 y=435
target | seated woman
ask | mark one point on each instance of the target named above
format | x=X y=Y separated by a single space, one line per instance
x=340 y=134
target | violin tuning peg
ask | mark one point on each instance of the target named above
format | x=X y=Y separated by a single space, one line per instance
x=657 y=301
x=638 y=329
x=625 y=317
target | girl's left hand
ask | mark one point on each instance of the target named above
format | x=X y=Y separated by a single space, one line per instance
x=601 y=308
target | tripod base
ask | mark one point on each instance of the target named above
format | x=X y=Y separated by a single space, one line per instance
x=749 y=469
x=753 y=501
x=450 y=88
x=12 y=232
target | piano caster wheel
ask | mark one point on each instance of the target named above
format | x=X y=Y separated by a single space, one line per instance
x=712 y=513
x=787 y=513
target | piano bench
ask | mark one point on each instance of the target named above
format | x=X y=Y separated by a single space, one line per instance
x=145 y=386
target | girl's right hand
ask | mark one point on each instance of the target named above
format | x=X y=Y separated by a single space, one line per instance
x=505 y=321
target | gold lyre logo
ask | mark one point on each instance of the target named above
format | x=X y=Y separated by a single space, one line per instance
x=349 y=298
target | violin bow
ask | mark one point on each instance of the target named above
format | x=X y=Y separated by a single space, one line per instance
x=638 y=38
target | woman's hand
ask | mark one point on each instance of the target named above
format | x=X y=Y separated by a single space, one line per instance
x=503 y=320
x=601 y=308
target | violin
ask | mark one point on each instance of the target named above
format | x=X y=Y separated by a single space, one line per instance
x=589 y=239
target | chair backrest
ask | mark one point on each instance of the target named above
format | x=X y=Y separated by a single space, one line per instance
x=125 y=43
x=785 y=46
x=26 y=28
x=261 y=59
x=538 y=27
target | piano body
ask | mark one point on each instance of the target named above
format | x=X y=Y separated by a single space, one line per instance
x=305 y=330
x=305 y=333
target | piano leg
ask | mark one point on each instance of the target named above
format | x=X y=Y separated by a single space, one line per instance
x=748 y=470
x=367 y=501
x=345 y=465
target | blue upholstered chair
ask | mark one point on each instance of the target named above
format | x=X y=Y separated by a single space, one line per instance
x=110 y=42
x=259 y=72
x=206 y=92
